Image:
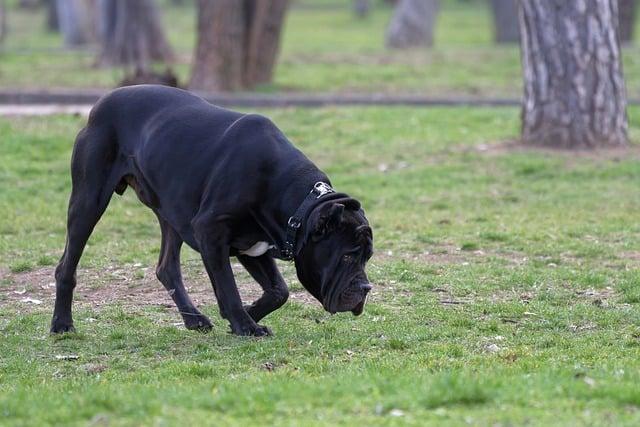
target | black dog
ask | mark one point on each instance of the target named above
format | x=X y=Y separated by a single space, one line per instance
x=227 y=184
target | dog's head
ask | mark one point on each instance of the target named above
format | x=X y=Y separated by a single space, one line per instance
x=337 y=244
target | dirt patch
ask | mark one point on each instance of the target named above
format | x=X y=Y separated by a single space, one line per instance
x=633 y=256
x=598 y=297
x=615 y=154
x=134 y=285
x=452 y=254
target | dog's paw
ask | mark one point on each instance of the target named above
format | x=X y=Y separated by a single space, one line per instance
x=253 y=330
x=197 y=322
x=262 y=331
x=59 y=326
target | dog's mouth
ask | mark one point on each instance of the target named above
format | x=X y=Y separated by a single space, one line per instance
x=352 y=299
x=357 y=311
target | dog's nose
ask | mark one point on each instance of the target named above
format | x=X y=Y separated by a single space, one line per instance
x=366 y=287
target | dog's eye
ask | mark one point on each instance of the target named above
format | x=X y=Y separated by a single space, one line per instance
x=347 y=258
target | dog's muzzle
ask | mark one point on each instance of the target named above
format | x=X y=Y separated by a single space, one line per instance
x=354 y=298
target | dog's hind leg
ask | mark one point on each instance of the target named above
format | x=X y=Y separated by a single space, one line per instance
x=264 y=270
x=92 y=186
x=168 y=272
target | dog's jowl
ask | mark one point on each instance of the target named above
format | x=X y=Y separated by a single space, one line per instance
x=228 y=185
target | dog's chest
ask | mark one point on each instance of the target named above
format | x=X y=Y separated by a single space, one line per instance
x=259 y=248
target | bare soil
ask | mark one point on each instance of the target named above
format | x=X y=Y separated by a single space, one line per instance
x=130 y=286
x=515 y=146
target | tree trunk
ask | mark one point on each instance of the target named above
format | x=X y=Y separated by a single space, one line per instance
x=3 y=20
x=627 y=19
x=574 y=94
x=361 y=8
x=264 y=27
x=131 y=34
x=107 y=14
x=412 y=24
x=238 y=43
x=28 y=4
x=52 y=16
x=505 y=19
x=75 y=21
x=219 y=54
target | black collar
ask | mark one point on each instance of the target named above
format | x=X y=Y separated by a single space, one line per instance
x=320 y=189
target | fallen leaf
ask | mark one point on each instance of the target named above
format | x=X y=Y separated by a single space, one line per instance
x=31 y=300
x=396 y=413
x=492 y=348
x=67 y=357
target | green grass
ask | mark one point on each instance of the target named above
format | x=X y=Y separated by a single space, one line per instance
x=324 y=50
x=507 y=289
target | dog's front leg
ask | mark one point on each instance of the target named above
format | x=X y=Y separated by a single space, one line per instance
x=264 y=270
x=213 y=242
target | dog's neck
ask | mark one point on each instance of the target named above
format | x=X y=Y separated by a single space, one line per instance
x=283 y=205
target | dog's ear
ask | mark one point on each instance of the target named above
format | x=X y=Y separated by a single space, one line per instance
x=349 y=203
x=328 y=220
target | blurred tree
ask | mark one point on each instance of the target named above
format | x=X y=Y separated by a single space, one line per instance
x=361 y=8
x=505 y=20
x=28 y=4
x=131 y=35
x=3 y=20
x=627 y=18
x=75 y=21
x=238 y=43
x=412 y=24
x=52 y=16
x=574 y=94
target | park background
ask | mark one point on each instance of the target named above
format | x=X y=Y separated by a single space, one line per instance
x=506 y=273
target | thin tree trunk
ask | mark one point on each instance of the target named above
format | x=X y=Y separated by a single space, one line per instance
x=28 y=4
x=574 y=93
x=263 y=41
x=3 y=20
x=107 y=14
x=627 y=18
x=74 y=19
x=219 y=53
x=52 y=16
x=412 y=24
x=238 y=43
x=132 y=35
x=361 y=8
x=505 y=20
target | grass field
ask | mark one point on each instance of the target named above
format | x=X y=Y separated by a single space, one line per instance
x=507 y=289
x=324 y=50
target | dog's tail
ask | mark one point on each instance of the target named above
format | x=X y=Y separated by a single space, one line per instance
x=95 y=163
